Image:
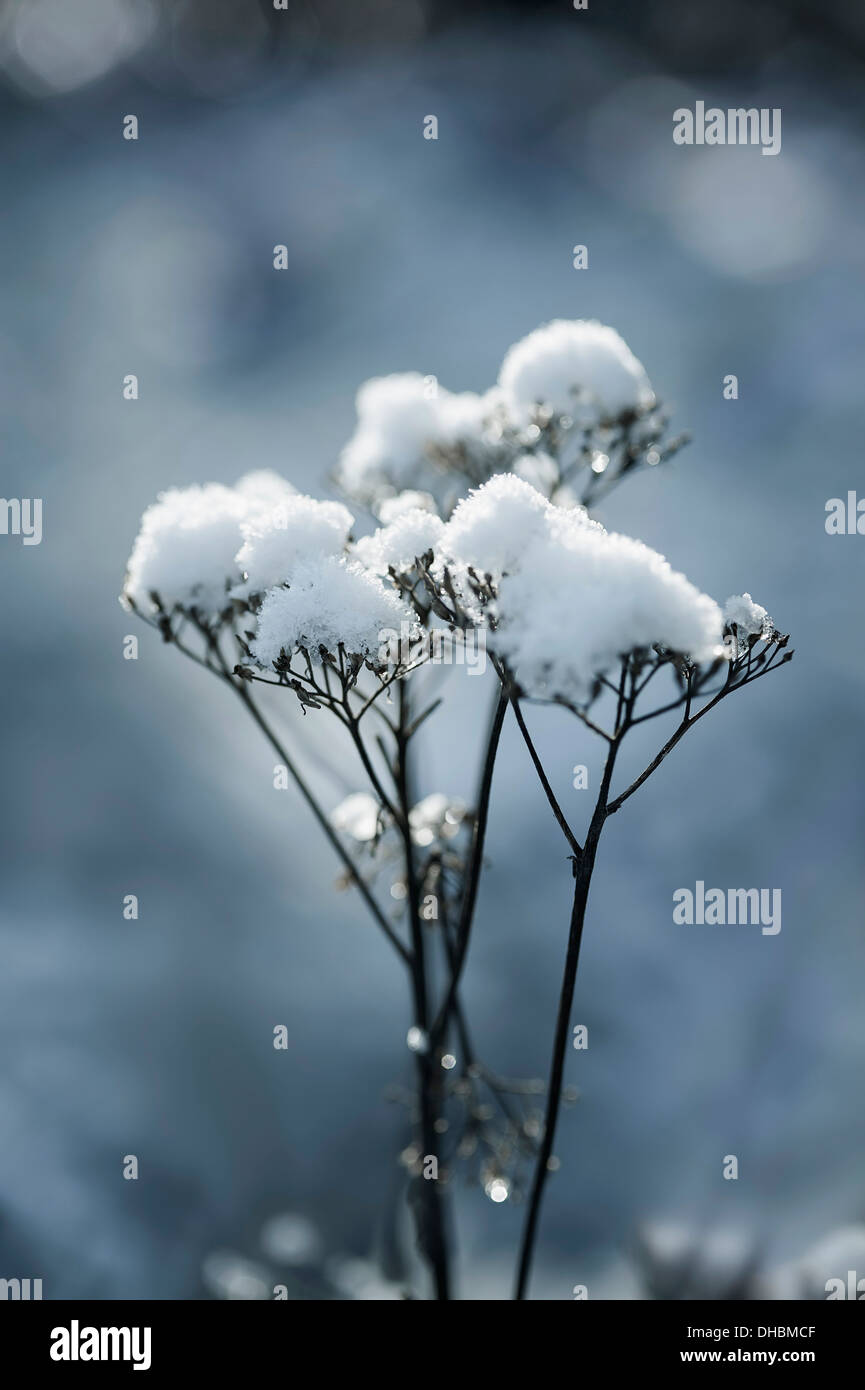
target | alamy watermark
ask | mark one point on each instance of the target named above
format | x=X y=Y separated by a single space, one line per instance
x=853 y=1287
x=719 y=907
x=21 y=1290
x=739 y=126
x=845 y=518
x=440 y=646
x=21 y=516
x=77 y=1343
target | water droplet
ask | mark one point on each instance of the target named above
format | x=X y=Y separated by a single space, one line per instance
x=417 y=1039
x=497 y=1190
x=290 y=1238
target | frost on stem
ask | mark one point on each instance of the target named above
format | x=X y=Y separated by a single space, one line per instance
x=572 y=412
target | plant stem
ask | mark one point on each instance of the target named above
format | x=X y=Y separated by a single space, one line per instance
x=583 y=868
x=544 y=780
x=473 y=872
x=433 y=1239
x=583 y=874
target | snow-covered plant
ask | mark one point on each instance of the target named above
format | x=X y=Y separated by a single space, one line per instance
x=266 y=587
x=587 y=620
x=263 y=586
x=573 y=412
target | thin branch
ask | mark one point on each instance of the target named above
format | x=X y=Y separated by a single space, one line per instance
x=473 y=874
x=559 y=814
x=678 y=734
x=371 y=773
x=583 y=870
x=321 y=818
x=238 y=685
x=583 y=877
x=431 y=1231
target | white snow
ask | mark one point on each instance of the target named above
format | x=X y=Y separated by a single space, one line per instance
x=398 y=545
x=264 y=488
x=401 y=418
x=491 y=528
x=185 y=548
x=570 y=362
x=298 y=528
x=571 y=597
x=750 y=619
x=585 y=598
x=330 y=601
x=391 y=508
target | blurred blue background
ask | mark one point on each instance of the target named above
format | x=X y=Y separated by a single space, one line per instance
x=155 y=257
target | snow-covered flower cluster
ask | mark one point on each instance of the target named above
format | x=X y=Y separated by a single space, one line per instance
x=570 y=396
x=562 y=598
x=396 y=546
x=185 y=553
x=407 y=424
x=331 y=603
x=297 y=532
x=567 y=599
x=491 y=529
x=573 y=366
x=285 y=557
x=747 y=618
